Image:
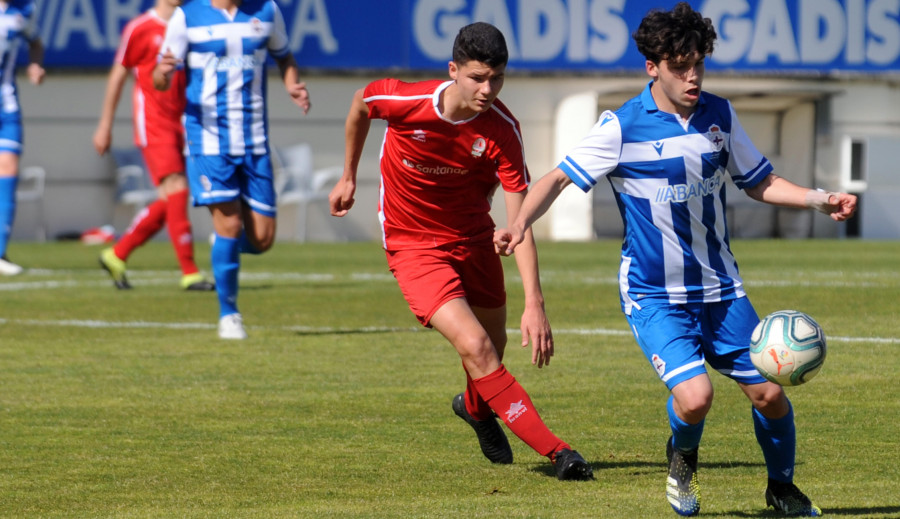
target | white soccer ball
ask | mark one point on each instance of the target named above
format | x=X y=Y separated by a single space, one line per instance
x=788 y=347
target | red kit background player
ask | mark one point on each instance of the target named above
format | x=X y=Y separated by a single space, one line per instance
x=159 y=133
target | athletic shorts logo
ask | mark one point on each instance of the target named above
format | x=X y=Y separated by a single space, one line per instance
x=659 y=365
x=204 y=181
x=516 y=409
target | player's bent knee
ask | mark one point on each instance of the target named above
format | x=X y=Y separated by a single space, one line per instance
x=478 y=353
x=768 y=397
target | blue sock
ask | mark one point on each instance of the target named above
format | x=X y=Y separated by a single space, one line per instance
x=685 y=436
x=778 y=439
x=226 y=264
x=7 y=210
x=245 y=246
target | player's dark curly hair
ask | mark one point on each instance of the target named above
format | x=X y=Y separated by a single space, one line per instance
x=482 y=42
x=674 y=35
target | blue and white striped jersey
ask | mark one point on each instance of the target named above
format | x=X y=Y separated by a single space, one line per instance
x=668 y=176
x=225 y=56
x=16 y=25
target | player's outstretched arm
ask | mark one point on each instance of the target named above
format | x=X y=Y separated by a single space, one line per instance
x=539 y=199
x=776 y=190
x=535 y=326
x=118 y=74
x=35 y=69
x=356 y=129
x=296 y=89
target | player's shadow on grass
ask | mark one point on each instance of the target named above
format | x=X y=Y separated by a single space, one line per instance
x=599 y=466
x=878 y=511
x=645 y=467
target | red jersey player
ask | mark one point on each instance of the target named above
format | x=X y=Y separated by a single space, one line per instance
x=159 y=134
x=448 y=145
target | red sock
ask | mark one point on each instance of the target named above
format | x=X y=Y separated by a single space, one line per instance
x=475 y=405
x=180 y=231
x=512 y=404
x=146 y=223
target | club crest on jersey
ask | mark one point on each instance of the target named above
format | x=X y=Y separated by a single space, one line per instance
x=256 y=25
x=478 y=147
x=716 y=137
x=418 y=135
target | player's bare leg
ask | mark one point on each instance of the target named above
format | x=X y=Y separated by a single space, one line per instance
x=456 y=321
x=259 y=229
x=469 y=405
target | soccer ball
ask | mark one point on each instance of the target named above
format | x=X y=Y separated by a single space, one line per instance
x=788 y=347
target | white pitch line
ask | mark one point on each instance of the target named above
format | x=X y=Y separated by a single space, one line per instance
x=91 y=323
x=148 y=277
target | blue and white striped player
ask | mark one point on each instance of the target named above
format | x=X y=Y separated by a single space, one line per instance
x=668 y=154
x=224 y=45
x=16 y=26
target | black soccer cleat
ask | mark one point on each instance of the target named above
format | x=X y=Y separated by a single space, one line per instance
x=491 y=437
x=570 y=466
x=789 y=500
x=682 y=484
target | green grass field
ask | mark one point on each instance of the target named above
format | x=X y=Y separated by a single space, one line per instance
x=125 y=404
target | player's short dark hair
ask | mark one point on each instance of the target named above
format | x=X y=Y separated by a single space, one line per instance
x=482 y=42
x=674 y=35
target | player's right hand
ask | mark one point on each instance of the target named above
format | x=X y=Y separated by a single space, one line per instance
x=102 y=140
x=341 y=197
x=506 y=241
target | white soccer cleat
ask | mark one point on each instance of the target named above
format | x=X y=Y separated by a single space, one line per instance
x=8 y=268
x=232 y=327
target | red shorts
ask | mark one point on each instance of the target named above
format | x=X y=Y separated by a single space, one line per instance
x=429 y=278
x=163 y=160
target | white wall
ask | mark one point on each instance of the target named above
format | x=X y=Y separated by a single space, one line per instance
x=60 y=117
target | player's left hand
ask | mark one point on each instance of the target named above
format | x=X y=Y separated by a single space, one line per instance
x=536 y=329
x=35 y=73
x=839 y=206
x=300 y=95
x=844 y=207
x=506 y=240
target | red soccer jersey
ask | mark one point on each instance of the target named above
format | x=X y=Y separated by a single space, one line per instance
x=157 y=115
x=438 y=176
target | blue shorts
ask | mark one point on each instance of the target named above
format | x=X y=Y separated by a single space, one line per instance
x=11 y=132
x=216 y=179
x=679 y=339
